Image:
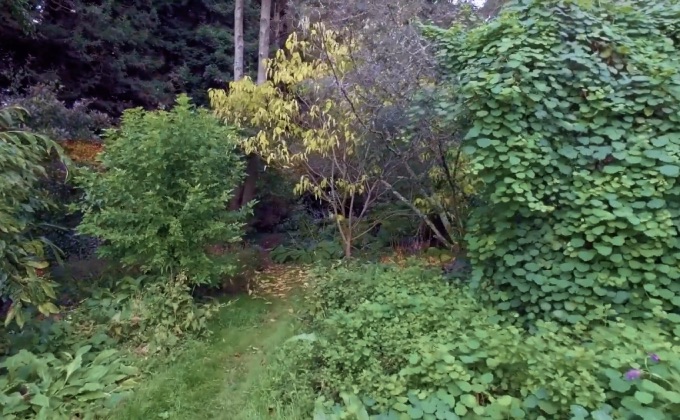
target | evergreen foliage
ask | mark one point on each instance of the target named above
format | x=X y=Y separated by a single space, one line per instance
x=125 y=54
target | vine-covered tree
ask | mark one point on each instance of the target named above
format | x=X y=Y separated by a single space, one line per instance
x=574 y=111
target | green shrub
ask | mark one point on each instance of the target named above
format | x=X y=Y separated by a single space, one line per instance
x=159 y=315
x=50 y=116
x=399 y=343
x=79 y=385
x=22 y=155
x=574 y=129
x=162 y=196
x=143 y=313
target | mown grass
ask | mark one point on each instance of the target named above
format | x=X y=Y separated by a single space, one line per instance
x=225 y=377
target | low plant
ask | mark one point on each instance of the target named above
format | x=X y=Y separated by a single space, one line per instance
x=326 y=250
x=83 y=385
x=148 y=314
x=390 y=342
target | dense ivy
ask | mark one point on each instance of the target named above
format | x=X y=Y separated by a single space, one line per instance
x=574 y=110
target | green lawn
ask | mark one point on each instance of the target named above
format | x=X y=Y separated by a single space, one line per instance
x=225 y=377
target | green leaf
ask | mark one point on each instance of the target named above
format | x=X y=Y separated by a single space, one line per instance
x=486 y=378
x=469 y=400
x=460 y=409
x=586 y=254
x=484 y=142
x=644 y=397
x=40 y=400
x=669 y=170
x=415 y=413
x=618 y=384
x=603 y=249
x=505 y=400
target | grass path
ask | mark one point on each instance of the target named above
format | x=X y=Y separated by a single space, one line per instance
x=225 y=377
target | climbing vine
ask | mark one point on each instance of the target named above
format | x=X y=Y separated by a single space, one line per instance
x=574 y=128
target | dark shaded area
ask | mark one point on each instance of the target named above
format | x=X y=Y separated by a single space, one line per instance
x=125 y=53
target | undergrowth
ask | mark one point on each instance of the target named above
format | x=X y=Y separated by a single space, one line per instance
x=389 y=342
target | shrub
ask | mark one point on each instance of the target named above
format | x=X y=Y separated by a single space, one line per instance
x=400 y=343
x=52 y=117
x=21 y=254
x=160 y=199
x=158 y=315
x=574 y=130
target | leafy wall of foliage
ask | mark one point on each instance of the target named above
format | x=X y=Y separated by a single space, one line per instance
x=159 y=198
x=574 y=110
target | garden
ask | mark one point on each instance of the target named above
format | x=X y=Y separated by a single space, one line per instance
x=413 y=210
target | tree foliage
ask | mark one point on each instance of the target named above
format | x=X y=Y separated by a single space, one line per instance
x=125 y=54
x=392 y=75
x=22 y=156
x=575 y=131
x=161 y=196
x=300 y=127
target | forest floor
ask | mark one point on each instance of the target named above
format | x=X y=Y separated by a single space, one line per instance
x=227 y=376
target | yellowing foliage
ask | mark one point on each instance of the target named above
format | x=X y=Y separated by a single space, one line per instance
x=82 y=150
x=295 y=123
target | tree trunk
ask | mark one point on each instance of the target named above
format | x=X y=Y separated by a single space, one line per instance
x=265 y=29
x=235 y=202
x=247 y=191
x=238 y=40
x=250 y=184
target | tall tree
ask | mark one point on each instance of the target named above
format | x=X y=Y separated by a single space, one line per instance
x=265 y=31
x=253 y=166
x=238 y=40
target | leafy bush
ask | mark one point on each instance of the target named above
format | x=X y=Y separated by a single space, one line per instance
x=82 y=384
x=22 y=155
x=161 y=314
x=160 y=199
x=399 y=343
x=574 y=130
x=52 y=117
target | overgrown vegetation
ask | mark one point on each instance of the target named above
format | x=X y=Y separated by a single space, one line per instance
x=573 y=128
x=395 y=342
x=481 y=212
x=22 y=265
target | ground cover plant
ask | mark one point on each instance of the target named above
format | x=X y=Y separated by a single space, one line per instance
x=390 y=342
